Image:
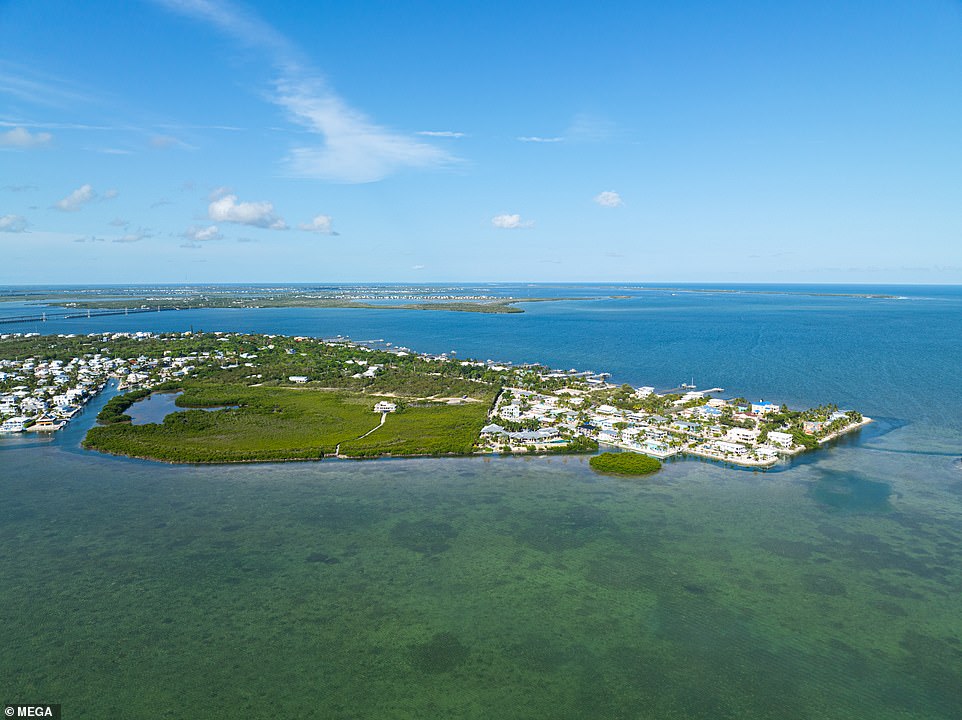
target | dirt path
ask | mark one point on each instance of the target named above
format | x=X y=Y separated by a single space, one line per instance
x=383 y=418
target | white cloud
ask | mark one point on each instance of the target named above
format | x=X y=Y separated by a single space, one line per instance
x=133 y=237
x=417 y=267
x=110 y=194
x=441 y=133
x=353 y=148
x=75 y=200
x=120 y=222
x=22 y=138
x=199 y=234
x=609 y=199
x=13 y=223
x=258 y=214
x=219 y=192
x=538 y=139
x=321 y=224
x=510 y=222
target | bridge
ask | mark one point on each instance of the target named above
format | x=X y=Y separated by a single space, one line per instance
x=74 y=314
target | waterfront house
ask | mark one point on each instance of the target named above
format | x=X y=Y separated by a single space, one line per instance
x=733 y=448
x=738 y=434
x=14 y=424
x=46 y=423
x=780 y=439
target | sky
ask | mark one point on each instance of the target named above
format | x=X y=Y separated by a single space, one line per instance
x=202 y=141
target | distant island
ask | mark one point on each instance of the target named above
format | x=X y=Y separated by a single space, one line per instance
x=107 y=299
x=253 y=398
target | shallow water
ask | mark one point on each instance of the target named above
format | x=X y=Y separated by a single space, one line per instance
x=511 y=587
x=154 y=408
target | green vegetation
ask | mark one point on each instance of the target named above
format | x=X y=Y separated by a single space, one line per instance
x=624 y=463
x=424 y=430
x=116 y=408
x=272 y=423
x=579 y=445
x=500 y=305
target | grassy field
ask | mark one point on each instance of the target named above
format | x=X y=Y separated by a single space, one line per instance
x=429 y=430
x=273 y=423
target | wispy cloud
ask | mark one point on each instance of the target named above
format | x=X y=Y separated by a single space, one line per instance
x=13 y=223
x=609 y=199
x=352 y=148
x=321 y=224
x=20 y=188
x=119 y=222
x=583 y=128
x=590 y=128
x=202 y=234
x=27 y=85
x=134 y=237
x=24 y=139
x=77 y=199
x=112 y=151
x=259 y=214
x=167 y=142
x=441 y=133
x=510 y=222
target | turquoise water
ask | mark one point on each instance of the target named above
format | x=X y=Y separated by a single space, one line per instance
x=510 y=587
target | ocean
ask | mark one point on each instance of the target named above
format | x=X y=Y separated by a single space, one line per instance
x=830 y=587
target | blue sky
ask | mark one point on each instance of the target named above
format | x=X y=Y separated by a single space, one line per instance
x=216 y=141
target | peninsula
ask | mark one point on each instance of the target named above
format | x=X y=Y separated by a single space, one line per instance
x=250 y=398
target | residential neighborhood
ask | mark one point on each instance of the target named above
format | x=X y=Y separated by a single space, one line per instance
x=536 y=409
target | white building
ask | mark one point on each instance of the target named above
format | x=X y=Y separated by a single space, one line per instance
x=385 y=407
x=738 y=434
x=779 y=438
x=733 y=448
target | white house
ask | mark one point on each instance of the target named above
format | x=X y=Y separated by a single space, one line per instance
x=733 y=448
x=779 y=438
x=738 y=434
x=299 y=379
x=14 y=424
x=385 y=407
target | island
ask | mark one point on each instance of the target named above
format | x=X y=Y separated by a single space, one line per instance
x=75 y=303
x=252 y=398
